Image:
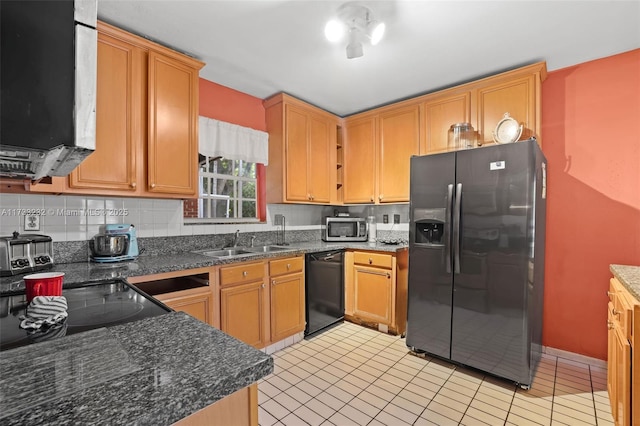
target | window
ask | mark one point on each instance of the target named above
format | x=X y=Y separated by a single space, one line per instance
x=227 y=190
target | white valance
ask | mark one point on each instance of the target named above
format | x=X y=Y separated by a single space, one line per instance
x=218 y=138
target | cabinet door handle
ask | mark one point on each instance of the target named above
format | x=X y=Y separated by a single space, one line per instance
x=273 y=282
x=372 y=198
x=133 y=185
x=262 y=285
x=153 y=185
x=380 y=197
x=609 y=293
x=370 y=261
x=610 y=325
x=616 y=312
x=384 y=274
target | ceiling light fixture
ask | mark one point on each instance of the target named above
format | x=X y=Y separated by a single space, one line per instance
x=357 y=21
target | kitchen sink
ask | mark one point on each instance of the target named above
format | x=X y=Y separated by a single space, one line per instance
x=223 y=252
x=264 y=249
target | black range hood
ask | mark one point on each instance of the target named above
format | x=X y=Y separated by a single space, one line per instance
x=48 y=57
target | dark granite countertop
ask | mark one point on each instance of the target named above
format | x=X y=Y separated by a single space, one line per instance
x=629 y=276
x=84 y=272
x=150 y=372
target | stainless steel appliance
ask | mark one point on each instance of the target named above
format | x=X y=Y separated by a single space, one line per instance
x=324 y=290
x=89 y=306
x=345 y=229
x=21 y=253
x=118 y=243
x=48 y=57
x=476 y=257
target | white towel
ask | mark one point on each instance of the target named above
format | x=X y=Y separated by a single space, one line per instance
x=44 y=310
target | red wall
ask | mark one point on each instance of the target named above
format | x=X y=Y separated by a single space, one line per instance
x=591 y=138
x=225 y=104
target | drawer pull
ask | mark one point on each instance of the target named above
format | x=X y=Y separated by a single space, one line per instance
x=370 y=261
x=288 y=266
x=384 y=274
x=245 y=273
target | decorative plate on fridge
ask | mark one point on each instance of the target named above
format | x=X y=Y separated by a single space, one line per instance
x=507 y=130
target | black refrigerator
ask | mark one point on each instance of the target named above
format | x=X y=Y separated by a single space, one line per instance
x=476 y=258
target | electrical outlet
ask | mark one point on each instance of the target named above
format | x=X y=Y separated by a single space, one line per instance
x=32 y=222
x=385 y=218
x=396 y=218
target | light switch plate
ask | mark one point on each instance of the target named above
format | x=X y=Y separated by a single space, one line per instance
x=32 y=222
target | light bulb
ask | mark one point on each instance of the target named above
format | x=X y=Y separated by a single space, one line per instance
x=376 y=31
x=334 y=30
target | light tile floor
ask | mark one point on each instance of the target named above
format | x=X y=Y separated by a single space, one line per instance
x=352 y=375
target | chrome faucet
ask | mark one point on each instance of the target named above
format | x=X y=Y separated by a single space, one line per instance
x=235 y=238
x=253 y=237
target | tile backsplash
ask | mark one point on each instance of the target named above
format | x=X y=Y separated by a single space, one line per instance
x=77 y=218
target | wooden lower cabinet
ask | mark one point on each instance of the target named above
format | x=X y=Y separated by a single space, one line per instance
x=190 y=291
x=373 y=294
x=261 y=314
x=244 y=303
x=287 y=297
x=238 y=409
x=242 y=309
x=623 y=380
x=376 y=289
x=197 y=303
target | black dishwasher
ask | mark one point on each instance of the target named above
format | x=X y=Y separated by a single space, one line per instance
x=324 y=290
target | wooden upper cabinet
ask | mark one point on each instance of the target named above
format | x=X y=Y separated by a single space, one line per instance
x=516 y=96
x=173 y=126
x=146 y=122
x=116 y=162
x=439 y=114
x=296 y=154
x=399 y=138
x=302 y=152
x=321 y=167
x=359 y=160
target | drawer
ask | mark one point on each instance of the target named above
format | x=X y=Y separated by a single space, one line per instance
x=242 y=273
x=285 y=266
x=380 y=260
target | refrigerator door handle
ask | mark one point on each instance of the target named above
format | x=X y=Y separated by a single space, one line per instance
x=456 y=229
x=447 y=237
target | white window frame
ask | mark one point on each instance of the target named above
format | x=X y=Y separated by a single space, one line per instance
x=237 y=200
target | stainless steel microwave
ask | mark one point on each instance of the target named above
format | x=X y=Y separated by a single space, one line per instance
x=345 y=229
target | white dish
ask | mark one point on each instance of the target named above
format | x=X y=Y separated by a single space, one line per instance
x=507 y=130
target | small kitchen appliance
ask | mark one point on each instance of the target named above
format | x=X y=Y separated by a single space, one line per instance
x=118 y=243
x=21 y=253
x=340 y=229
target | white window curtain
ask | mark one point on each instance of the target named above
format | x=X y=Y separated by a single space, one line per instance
x=219 y=138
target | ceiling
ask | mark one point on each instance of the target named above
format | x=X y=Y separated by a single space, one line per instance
x=269 y=46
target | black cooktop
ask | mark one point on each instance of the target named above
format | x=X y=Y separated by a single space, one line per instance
x=92 y=305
